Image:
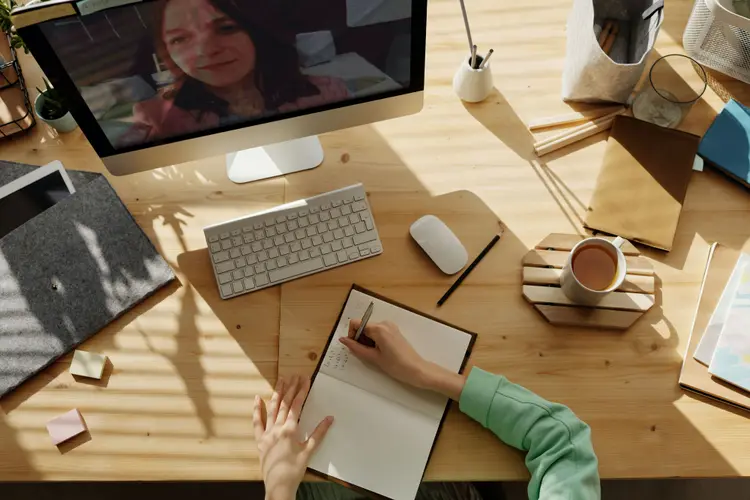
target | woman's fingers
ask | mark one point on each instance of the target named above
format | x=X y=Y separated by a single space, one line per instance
x=353 y=327
x=362 y=352
x=317 y=436
x=286 y=401
x=299 y=400
x=258 y=424
x=273 y=406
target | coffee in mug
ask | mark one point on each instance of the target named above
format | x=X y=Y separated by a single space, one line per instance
x=595 y=267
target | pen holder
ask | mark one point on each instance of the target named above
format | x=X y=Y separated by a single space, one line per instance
x=473 y=85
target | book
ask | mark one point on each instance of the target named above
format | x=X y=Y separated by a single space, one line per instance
x=731 y=359
x=694 y=376
x=384 y=431
x=707 y=345
x=656 y=164
x=726 y=144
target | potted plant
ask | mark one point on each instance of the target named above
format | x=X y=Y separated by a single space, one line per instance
x=50 y=107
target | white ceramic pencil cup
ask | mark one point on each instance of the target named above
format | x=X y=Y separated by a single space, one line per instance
x=473 y=85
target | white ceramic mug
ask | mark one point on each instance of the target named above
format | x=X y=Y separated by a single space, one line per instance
x=579 y=293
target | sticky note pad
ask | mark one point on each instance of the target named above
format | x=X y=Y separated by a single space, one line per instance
x=88 y=364
x=65 y=427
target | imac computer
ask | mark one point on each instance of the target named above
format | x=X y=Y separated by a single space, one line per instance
x=155 y=83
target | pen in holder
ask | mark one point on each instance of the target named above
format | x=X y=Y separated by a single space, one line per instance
x=473 y=84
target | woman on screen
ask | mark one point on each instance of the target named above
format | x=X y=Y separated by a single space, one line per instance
x=227 y=69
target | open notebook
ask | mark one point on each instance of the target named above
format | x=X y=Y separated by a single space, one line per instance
x=383 y=431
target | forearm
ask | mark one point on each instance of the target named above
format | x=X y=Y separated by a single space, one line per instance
x=437 y=379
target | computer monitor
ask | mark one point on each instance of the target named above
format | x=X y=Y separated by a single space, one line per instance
x=161 y=82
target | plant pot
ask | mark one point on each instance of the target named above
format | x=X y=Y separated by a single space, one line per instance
x=64 y=124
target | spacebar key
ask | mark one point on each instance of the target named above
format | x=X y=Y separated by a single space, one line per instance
x=296 y=269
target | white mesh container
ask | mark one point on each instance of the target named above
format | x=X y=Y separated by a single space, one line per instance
x=719 y=38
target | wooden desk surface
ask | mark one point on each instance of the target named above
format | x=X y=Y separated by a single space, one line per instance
x=187 y=365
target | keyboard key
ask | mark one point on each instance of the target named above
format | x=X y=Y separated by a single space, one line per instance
x=225 y=235
x=325 y=249
x=261 y=279
x=353 y=253
x=359 y=206
x=221 y=257
x=348 y=243
x=338 y=234
x=238 y=274
x=226 y=244
x=359 y=197
x=365 y=237
x=281 y=229
x=270 y=232
x=248 y=238
x=249 y=271
x=306 y=243
x=289 y=237
x=257 y=226
x=336 y=246
x=296 y=247
x=348 y=199
x=259 y=268
x=325 y=206
x=284 y=249
x=225 y=278
x=300 y=233
x=311 y=231
x=225 y=267
x=322 y=228
x=332 y=225
x=236 y=232
x=280 y=219
x=237 y=286
x=348 y=231
x=273 y=253
x=281 y=261
x=216 y=247
x=330 y=259
x=375 y=248
x=314 y=219
x=369 y=225
x=315 y=252
x=291 y=216
x=343 y=221
x=303 y=222
x=295 y=270
x=257 y=246
x=293 y=259
x=237 y=241
x=234 y=253
x=226 y=290
x=328 y=237
x=302 y=213
x=317 y=240
x=213 y=239
x=251 y=259
x=304 y=255
x=360 y=227
x=262 y=256
x=324 y=216
x=364 y=251
x=270 y=222
x=336 y=203
x=271 y=265
x=292 y=225
x=248 y=282
x=314 y=210
x=247 y=229
x=342 y=256
x=335 y=213
x=267 y=244
x=345 y=210
x=259 y=235
x=354 y=218
x=278 y=240
x=240 y=262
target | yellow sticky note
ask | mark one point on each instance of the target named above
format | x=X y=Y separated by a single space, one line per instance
x=88 y=364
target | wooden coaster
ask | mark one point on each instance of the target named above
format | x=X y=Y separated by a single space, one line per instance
x=618 y=310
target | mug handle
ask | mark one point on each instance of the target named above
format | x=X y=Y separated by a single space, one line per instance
x=619 y=242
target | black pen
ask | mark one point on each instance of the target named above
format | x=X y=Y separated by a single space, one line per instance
x=469 y=269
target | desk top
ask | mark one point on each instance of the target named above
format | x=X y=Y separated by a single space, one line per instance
x=186 y=365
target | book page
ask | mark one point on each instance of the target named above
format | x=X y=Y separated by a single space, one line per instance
x=707 y=345
x=434 y=341
x=373 y=443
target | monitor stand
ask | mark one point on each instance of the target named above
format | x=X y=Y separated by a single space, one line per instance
x=274 y=160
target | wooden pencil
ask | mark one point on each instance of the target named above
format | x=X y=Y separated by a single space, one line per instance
x=571 y=118
x=600 y=125
x=586 y=126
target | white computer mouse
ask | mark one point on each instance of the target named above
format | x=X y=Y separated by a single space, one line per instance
x=440 y=244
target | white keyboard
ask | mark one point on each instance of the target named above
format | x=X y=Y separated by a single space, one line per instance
x=292 y=240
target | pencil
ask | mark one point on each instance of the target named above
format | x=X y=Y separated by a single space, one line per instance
x=466 y=23
x=469 y=269
x=474 y=57
x=486 y=58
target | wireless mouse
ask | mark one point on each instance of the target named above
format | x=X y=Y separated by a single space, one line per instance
x=440 y=244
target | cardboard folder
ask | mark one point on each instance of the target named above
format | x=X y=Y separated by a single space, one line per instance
x=68 y=273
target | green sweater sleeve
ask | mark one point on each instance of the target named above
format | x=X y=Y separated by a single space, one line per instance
x=560 y=456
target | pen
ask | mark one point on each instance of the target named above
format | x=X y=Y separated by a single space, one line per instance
x=469 y=269
x=486 y=58
x=365 y=319
x=466 y=23
x=473 y=62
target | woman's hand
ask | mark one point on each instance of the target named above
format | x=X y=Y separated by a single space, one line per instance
x=395 y=356
x=283 y=457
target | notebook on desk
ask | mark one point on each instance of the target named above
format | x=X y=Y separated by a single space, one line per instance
x=384 y=431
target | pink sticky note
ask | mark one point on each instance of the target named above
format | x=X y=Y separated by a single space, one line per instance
x=65 y=427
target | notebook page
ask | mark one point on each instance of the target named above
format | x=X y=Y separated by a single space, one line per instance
x=434 y=341
x=373 y=443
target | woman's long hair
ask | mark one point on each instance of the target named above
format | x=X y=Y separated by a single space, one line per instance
x=277 y=73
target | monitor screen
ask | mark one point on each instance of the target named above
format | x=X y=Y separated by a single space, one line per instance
x=160 y=71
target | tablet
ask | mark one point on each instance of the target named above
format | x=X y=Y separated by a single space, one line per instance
x=32 y=194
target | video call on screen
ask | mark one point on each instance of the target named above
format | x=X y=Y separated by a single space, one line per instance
x=163 y=69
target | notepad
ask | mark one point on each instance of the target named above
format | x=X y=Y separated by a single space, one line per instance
x=726 y=144
x=384 y=431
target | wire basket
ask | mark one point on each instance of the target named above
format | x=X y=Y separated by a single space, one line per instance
x=719 y=38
